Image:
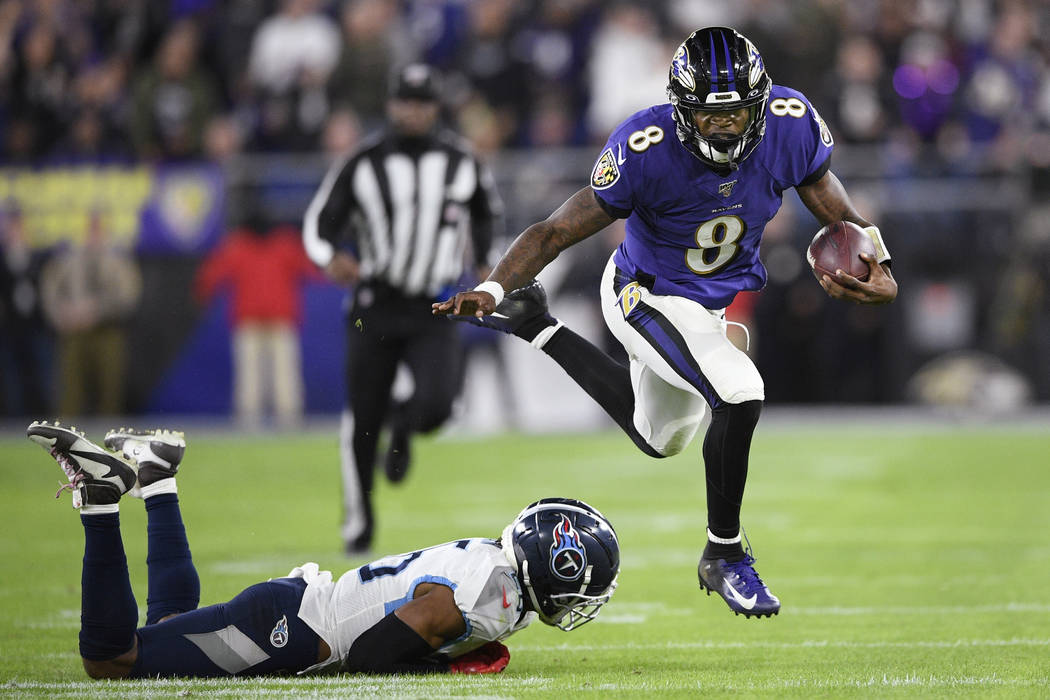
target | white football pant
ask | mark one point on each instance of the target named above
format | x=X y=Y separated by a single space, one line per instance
x=680 y=360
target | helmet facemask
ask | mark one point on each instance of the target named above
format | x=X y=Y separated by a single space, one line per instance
x=566 y=611
x=567 y=534
x=716 y=151
x=718 y=69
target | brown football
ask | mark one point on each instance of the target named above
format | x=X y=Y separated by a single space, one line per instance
x=838 y=246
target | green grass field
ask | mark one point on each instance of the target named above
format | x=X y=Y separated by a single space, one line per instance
x=910 y=561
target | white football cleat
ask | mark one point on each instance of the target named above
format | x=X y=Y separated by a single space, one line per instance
x=96 y=477
x=157 y=453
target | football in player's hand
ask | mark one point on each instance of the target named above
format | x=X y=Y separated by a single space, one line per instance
x=838 y=246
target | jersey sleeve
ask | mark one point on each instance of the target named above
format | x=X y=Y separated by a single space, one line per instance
x=809 y=142
x=326 y=218
x=612 y=178
x=491 y=609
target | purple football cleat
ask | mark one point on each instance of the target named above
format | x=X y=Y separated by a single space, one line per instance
x=738 y=583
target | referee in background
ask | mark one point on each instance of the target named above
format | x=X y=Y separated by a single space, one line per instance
x=397 y=220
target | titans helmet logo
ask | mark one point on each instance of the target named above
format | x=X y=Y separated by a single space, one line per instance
x=680 y=68
x=758 y=67
x=568 y=557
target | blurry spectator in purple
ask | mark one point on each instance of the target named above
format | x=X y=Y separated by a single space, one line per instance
x=926 y=81
x=1005 y=76
x=557 y=46
x=25 y=340
x=173 y=99
x=369 y=54
x=438 y=28
x=89 y=291
x=293 y=53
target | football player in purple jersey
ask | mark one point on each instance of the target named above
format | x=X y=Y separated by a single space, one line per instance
x=697 y=179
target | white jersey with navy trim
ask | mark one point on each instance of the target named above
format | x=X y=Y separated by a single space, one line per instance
x=484 y=583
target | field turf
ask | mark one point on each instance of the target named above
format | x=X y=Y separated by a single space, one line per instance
x=911 y=560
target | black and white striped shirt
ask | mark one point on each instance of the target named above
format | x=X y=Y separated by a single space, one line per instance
x=407 y=209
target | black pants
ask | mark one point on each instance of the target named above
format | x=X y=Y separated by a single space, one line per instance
x=386 y=328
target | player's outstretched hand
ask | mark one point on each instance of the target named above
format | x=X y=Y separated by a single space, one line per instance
x=879 y=288
x=468 y=303
x=490 y=658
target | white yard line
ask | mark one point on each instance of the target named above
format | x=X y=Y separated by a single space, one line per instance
x=925 y=609
x=299 y=687
x=802 y=644
x=434 y=689
x=622 y=613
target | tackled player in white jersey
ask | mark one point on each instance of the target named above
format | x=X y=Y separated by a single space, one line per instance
x=443 y=609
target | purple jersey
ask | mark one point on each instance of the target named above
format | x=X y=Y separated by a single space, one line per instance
x=695 y=230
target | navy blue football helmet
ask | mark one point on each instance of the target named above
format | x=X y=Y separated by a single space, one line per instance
x=567 y=557
x=718 y=69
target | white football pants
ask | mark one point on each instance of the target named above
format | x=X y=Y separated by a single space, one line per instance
x=680 y=359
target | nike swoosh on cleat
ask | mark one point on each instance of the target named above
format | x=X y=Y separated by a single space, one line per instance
x=746 y=603
x=106 y=460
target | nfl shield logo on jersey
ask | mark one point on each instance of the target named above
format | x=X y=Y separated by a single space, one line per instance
x=279 y=636
x=726 y=188
x=605 y=171
x=568 y=557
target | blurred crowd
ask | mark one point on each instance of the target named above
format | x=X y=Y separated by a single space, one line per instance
x=920 y=87
x=188 y=79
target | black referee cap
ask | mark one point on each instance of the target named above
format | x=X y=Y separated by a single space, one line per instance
x=416 y=81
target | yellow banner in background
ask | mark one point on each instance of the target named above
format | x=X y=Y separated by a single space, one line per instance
x=56 y=203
